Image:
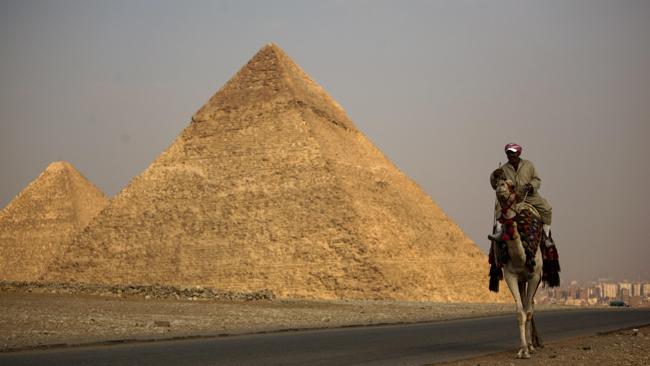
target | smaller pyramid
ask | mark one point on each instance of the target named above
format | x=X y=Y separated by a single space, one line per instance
x=37 y=224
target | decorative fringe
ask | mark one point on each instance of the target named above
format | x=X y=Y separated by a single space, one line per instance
x=551 y=267
x=551 y=273
x=496 y=274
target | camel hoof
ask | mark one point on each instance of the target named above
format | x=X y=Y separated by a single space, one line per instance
x=531 y=350
x=523 y=354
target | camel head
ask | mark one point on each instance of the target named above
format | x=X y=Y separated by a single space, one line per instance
x=505 y=190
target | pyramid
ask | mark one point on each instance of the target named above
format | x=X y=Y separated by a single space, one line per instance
x=36 y=225
x=271 y=186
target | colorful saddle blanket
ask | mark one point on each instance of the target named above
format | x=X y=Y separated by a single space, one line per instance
x=529 y=226
x=530 y=229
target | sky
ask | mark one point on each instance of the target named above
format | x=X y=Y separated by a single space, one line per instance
x=439 y=86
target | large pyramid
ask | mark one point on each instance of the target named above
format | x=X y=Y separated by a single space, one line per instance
x=37 y=224
x=271 y=186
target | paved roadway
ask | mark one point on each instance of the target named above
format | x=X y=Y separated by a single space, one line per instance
x=413 y=344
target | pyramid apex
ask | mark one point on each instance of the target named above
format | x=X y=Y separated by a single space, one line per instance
x=57 y=166
x=279 y=52
x=271 y=75
x=274 y=51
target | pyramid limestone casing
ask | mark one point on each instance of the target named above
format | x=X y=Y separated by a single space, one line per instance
x=271 y=186
x=37 y=224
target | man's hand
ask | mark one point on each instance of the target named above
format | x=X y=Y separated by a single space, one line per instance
x=522 y=191
x=529 y=188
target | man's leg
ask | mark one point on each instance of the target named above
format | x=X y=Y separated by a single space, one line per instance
x=547 y=230
x=546 y=213
x=551 y=265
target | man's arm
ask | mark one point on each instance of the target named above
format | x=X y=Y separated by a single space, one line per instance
x=535 y=180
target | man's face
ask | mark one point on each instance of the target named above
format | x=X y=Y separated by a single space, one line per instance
x=513 y=158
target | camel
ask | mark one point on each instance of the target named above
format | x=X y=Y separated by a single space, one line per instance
x=522 y=276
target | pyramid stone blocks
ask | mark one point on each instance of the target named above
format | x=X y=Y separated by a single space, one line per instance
x=37 y=224
x=271 y=186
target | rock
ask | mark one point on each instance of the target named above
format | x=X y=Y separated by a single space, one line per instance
x=161 y=323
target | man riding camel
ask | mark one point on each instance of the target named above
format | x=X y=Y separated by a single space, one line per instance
x=526 y=181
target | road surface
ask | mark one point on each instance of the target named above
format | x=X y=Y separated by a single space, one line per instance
x=411 y=344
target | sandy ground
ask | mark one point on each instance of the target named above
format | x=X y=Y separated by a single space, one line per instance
x=36 y=320
x=625 y=348
x=30 y=320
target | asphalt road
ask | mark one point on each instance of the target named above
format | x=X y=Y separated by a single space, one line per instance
x=414 y=344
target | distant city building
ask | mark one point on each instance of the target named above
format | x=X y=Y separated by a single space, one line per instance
x=594 y=292
x=625 y=295
x=583 y=294
x=635 y=301
x=597 y=293
x=609 y=290
x=645 y=288
x=625 y=285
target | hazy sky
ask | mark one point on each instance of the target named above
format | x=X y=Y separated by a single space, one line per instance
x=438 y=86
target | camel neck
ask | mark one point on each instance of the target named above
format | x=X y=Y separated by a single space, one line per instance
x=514 y=244
x=516 y=250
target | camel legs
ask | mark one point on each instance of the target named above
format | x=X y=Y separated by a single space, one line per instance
x=529 y=303
x=526 y=304
x=513 y=285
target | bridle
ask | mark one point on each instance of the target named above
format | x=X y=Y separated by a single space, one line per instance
x=510 y=202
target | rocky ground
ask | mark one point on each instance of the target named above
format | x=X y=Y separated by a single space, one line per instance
x=34 y=317
x=624 y=348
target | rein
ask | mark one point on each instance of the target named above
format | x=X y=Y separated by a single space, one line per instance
x=512 y=203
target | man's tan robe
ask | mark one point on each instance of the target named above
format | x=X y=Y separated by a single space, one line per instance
x=525 y=174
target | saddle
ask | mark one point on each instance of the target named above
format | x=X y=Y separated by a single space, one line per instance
x=529 y=226
x=530 y=229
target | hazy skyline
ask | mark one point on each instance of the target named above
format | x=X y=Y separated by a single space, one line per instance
x=438 y=86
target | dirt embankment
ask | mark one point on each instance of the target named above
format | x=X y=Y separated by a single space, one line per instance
x=621 y=348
